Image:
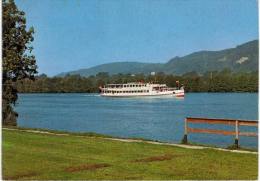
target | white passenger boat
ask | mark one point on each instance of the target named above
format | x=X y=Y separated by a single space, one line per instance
x=140 y=89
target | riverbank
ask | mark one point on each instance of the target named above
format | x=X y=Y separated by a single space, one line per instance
x=50 y=155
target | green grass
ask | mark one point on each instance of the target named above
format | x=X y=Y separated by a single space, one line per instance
x=42 y=156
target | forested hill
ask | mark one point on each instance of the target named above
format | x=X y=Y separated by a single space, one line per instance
x=243 y=58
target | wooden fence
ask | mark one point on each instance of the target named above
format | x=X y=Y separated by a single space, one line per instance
x=235 y=123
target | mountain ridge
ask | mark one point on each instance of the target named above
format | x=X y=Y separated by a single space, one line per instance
x=243 y=57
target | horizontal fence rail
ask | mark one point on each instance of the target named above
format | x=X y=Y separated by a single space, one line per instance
x=235 y=123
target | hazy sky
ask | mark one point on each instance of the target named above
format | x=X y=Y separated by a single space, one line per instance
x=74 y=34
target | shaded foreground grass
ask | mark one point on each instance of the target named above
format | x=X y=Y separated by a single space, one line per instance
x=44 y=156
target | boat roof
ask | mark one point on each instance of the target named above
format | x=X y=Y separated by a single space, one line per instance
x=131 y=83
x=128 y=83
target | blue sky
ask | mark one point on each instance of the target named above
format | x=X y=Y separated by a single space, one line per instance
x=75 y=34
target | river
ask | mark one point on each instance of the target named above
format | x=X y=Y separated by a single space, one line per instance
x=151 y=118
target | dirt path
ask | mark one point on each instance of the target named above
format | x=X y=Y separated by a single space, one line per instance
x=137 y=141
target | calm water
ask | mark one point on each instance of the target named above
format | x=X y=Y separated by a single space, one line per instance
x=152 y=118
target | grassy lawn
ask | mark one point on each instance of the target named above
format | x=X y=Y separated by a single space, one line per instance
x=42 y=156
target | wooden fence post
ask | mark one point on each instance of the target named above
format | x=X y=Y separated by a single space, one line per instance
x=237 y=133
x=185 y=137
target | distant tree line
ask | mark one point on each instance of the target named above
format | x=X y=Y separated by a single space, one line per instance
x=224 y=81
